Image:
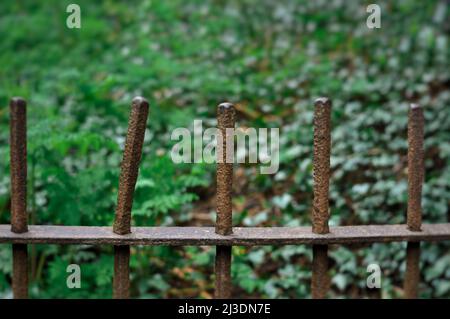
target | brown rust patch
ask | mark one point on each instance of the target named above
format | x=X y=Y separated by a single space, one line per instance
x=130 y=164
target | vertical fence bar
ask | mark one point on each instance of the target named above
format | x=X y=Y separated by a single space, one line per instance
x=415 y=180
x=121 y=282
x=127 y=182
x=19 y=223
x=320 y=214
x=415 y=167
x=225 y=120
x=412 y=274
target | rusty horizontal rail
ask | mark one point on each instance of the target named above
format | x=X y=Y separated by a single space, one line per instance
x=206 y=236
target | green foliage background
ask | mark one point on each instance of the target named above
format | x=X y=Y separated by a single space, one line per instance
x=273 y=58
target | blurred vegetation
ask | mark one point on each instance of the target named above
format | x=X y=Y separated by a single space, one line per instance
x=273 y=58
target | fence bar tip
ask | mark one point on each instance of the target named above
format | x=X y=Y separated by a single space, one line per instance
x=130 y=164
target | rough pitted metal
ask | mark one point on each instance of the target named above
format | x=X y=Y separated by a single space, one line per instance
x=121 y=279
x=225 y=119
x=321 y=165
x=20 y=271
x=223 y=272
x=412 y=274
x=130 y=164
x=415 y=167
x=320 y=281
x=18 y=160
x=204 y=236
x=19 y=217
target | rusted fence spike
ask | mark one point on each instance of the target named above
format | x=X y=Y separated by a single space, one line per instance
x=19 y=218
x=18 y=162
x=127 y=182
x=320 y=214
x=225 y=119
x=206 y=236
x=321 y=165
x=415 y=181
x=130 y=164
x=121 y=279
x=415 y=167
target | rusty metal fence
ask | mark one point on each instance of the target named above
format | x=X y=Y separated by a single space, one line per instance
x=223 y=236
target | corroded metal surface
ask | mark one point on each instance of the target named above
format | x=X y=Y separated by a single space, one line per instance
x=415 y=166
x=19 y=217
x=320 y=213
x=321 y=165
x=20 y=271
x=121 y=279
x=130 y=164
x=242 y=236
x=412 y=274
x=225 y=119
x=18 y=160
x=223 y=272
x=320 y=280
x=127 y=182
x=224 y=178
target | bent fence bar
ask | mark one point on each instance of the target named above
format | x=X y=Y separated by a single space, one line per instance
x=223 y=236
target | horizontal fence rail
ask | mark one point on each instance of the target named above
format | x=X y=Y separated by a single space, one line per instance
x=122 y=235
x=206 y=236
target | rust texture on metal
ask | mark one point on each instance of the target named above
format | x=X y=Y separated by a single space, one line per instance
x=20 y=271
x=121 y=279
x=415 y=166
x=224 y=178
x=223 y=272
x=320 y=280
x=320 y=213
x=130 y=164
x=321 y=165
x=206 y=236
x=412 y=274
x=19 y=216
x=18 y=160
